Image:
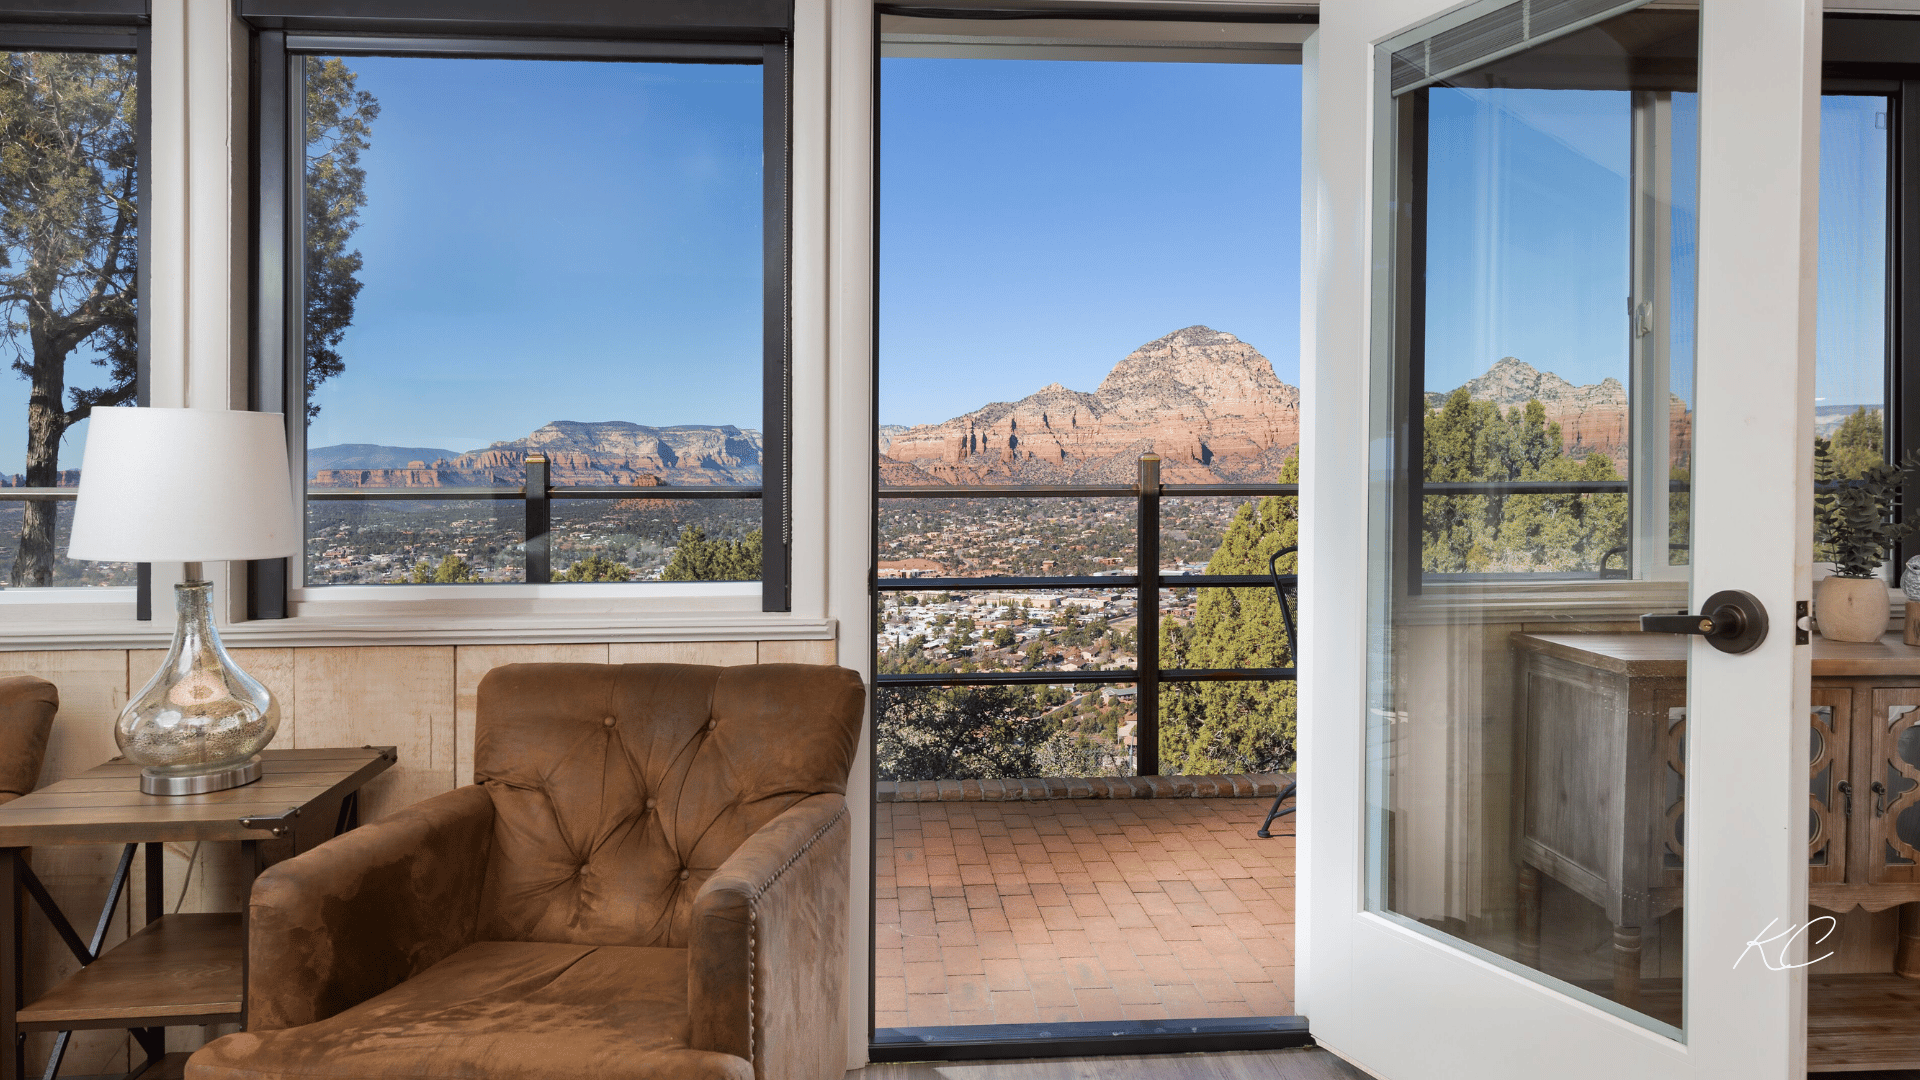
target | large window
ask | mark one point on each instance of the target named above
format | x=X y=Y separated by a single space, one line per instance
x=70 y=197
x=536 y=318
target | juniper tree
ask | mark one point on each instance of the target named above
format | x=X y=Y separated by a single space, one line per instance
x=69 y=240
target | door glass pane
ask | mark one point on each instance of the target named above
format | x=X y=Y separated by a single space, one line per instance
x=1850 y=384
x=1532 y=365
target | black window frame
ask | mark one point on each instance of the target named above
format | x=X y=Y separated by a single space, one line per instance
x=756 y=32
x=103 y=26
x=1879 y=54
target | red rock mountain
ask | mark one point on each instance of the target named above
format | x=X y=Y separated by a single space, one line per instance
x=1592 y=419
x=1208 y=403
x=583 y=454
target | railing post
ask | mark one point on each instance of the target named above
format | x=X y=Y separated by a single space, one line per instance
x=539 y=521
x=1147 y=619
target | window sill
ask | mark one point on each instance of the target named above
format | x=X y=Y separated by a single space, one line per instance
x=1541 y=602
x=451 y=615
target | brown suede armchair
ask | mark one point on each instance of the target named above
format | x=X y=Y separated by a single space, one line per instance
x=27 y=706
x=648 y=880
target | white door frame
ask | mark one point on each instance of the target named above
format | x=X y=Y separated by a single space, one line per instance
x=1404 y=1005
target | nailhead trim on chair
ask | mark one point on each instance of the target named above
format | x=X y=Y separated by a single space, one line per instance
x=753 y=934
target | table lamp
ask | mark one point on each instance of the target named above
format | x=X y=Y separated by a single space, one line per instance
x=192 y=486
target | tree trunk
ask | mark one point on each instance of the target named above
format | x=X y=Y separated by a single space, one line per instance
x=46 y=423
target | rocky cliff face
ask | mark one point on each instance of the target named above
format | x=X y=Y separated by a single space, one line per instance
x=1592 y=419
x=1208 y=403
x=1211 y=406
x=584 y=454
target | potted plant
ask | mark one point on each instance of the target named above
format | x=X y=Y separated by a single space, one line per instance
x=1854 y=523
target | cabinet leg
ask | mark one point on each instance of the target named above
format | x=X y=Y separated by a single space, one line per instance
x=1906 y=961
x=1626 y=966
x=1528 y=952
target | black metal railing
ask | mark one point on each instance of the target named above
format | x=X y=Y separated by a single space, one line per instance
x=538 y=492
x=1147 y=582
x=539 y=495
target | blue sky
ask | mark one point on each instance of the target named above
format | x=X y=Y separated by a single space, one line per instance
x=1529 y=230
x=628 y=289
x=1042 y=219
x=1853 y=246
x=1528 y=233
x=1039 y=221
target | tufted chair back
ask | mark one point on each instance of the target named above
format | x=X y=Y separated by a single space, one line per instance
x=618 y=789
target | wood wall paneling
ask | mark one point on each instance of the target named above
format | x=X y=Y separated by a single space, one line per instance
x=722 y=653
x=798 y=652
x=384 y=696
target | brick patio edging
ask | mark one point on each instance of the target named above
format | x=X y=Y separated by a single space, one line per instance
x=1231 y=785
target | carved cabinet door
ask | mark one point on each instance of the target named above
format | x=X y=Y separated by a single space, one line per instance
x=1892 y=798
x=1829 y=794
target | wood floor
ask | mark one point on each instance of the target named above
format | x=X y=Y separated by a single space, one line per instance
x=1307 y=1064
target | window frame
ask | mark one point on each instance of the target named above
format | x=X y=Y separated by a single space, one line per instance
x=1868 y=67
x=756 y=33
x=1648 y=576
x=100 y=26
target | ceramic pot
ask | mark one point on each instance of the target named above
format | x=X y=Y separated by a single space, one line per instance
x=1851 y=609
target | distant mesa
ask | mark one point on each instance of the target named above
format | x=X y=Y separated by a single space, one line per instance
x=371 y=456
x=1211 y=406
x=580 y=454
x=1207 y=402
x=65 y=478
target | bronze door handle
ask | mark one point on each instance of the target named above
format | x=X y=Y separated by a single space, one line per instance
x=1731 y=621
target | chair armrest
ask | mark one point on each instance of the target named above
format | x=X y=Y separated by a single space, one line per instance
x=27 y=706
x=767 y=949
x=367 y=910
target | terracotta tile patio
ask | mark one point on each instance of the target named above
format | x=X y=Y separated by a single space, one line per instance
x=1081 y=909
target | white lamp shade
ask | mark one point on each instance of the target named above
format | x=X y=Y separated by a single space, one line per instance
x=184 y=485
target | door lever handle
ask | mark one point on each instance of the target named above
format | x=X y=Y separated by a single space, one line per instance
x=1731 y=621
x=1677 y=623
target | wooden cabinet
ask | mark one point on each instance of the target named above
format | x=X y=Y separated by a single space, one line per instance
x=1600 y=794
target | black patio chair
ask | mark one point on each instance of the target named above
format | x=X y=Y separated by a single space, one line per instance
x=1293 y=651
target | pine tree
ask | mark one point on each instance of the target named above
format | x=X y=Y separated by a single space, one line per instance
x=696 y=558
x=596 y=567
x=1227 y=727
x=1469 y=440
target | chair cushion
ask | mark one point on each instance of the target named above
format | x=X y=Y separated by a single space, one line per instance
x=619 y=788
x=502 y=1009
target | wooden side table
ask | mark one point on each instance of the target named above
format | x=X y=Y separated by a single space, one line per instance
x=178 y=969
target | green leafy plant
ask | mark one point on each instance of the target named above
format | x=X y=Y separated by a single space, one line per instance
x=1854 y=518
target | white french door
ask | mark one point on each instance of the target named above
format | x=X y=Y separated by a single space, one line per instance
x=1558 y=349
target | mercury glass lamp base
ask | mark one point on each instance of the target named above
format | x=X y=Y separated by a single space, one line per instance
x=201 y=783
